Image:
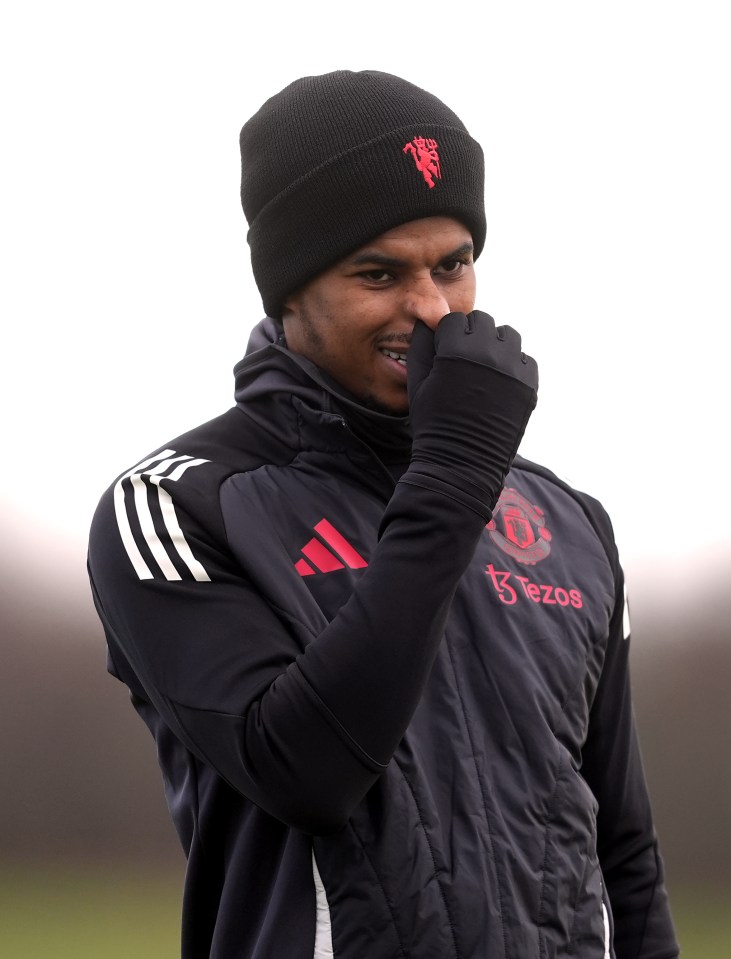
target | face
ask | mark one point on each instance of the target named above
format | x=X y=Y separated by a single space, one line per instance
x=355 y=320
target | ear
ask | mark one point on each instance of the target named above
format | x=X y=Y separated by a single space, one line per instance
x=290 y=319
x=290 y=307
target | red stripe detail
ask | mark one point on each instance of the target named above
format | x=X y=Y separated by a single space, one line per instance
x=341 y=546
x=304 y=568
x=321 y=557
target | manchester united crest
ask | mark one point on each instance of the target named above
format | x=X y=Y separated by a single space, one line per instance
x=519 y=528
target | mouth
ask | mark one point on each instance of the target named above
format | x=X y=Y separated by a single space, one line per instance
x=398 y=355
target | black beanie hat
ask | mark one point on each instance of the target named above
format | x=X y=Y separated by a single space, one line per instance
x=333 y=161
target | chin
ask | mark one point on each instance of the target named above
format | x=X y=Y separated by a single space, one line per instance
x=396 y=408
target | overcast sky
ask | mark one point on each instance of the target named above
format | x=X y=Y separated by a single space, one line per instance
x=126 y=293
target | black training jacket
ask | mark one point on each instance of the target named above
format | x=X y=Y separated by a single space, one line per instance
x=385 y=729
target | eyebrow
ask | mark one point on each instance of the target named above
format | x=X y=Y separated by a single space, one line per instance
x=380 y=259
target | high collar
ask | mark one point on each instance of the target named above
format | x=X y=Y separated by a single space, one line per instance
x=271 y=370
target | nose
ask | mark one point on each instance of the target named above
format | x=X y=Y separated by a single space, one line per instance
x=425 y=301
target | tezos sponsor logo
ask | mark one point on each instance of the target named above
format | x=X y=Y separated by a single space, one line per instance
x=511 y=587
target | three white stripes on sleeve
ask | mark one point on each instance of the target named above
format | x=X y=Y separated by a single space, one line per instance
x=144 y=478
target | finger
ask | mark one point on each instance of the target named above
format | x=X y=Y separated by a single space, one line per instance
x=482 y=320
x=510 y=337
x=420 y=358
x=530 y=370
x=450 y=333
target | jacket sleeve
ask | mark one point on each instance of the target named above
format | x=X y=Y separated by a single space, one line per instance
x=300 y=723
x=627 y=844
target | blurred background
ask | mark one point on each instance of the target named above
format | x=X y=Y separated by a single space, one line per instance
x=126 y=300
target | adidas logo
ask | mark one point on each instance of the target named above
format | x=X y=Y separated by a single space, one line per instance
x=322 y=558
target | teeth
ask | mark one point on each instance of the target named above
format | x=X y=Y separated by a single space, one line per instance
x=395 y=356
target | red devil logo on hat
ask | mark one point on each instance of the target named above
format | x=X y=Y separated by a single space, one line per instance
x=426 y=158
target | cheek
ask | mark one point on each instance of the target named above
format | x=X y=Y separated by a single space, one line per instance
x=462 y=300
x=358 y=319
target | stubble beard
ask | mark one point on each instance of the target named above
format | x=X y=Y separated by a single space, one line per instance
x=316 y=344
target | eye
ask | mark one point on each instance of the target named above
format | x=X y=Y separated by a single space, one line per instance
x=377 y=276
x=453 y=267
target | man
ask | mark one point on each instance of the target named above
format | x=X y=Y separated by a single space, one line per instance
x=385 y=662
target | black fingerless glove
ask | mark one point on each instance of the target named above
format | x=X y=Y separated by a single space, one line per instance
x=471 y=393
